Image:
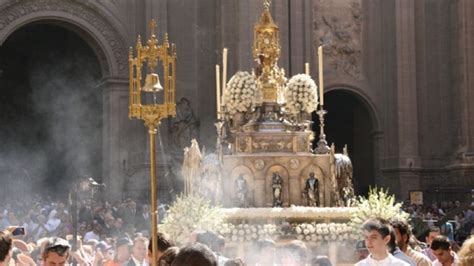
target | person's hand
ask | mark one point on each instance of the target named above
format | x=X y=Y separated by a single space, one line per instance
x=98 y=259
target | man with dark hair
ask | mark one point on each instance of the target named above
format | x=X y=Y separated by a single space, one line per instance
x=5 y=248
x=122 y=252
x=377 y=236
x=442 y=250
x=195 y=255
x=139 y=252
x=55 y=252
x=163 y=243
x=395 y=250
x=433 y=232
x=403 y=234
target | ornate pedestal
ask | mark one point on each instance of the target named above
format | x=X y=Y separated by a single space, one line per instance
x=294 y=168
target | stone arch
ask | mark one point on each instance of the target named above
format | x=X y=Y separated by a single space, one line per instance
x=363 y=97
x=353 y=119
x=99 y=30
x=268 y=184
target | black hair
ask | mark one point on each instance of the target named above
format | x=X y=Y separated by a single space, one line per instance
x=440 y=242
x=379 y=225
x=5 y=245
x=195 y=255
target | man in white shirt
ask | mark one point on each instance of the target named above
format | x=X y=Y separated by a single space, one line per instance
x=377 y=235
x=442 y=250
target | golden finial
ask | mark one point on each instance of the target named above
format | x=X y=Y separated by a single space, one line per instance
x=266 y=4
x=152 y=26
x=166 y=41
x=139 y=41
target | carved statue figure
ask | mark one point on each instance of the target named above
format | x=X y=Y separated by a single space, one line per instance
x=277 y=184
x=344 y=177
x=241 y=191
x=185 y=126
x=311 y=190
x=191 y=164
x=209 y=183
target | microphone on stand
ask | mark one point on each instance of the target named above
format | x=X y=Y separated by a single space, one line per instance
x=94 y=183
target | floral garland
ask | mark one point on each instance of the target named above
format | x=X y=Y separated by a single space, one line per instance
x=306 y=232
x=320 y=232
x=248 y=232
x=241 y=93
x=301 y=94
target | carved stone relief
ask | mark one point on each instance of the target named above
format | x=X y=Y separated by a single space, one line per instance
x=12 y=11
x=337 y=25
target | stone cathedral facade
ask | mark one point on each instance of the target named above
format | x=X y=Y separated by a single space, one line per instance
x=406 y=66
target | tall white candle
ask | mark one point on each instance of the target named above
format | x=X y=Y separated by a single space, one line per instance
x=218 y=91
x=306 y=68
x=224 y=71
x=321 y=81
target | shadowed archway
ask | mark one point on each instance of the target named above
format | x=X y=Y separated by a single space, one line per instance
x=350 y=120
x=51 y=109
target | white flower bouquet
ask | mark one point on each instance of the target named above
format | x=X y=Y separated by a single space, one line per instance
x=378 y=205
x=241 y=93
x=301 y=94
x=190 y=213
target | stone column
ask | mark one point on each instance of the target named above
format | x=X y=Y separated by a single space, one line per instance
x=118 y=134
x=407 y=120
x=463 y=109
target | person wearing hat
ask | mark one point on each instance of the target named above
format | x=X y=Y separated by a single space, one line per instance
x=122 y=252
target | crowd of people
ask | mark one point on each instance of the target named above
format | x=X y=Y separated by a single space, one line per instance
x=457 y=228
x=114 y=234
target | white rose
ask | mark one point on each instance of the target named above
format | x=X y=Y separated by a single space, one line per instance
x=298 y=230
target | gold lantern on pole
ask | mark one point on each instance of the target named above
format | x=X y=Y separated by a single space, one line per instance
x=152 y=112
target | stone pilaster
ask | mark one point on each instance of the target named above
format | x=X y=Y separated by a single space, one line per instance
x=462 y=168
x=119 y=134
x=405 y=172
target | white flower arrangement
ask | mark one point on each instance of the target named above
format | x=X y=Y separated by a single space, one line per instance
x=248 y=232
x=190 y=213
x=301 y=94
x=378 y=205
x=241 y=93
x=324 y=232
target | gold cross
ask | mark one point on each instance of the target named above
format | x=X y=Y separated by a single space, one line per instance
x=152 y=26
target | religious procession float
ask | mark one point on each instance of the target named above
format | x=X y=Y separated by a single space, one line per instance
x=265 y=180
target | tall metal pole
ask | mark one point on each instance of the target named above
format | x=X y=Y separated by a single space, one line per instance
x=154 y=210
